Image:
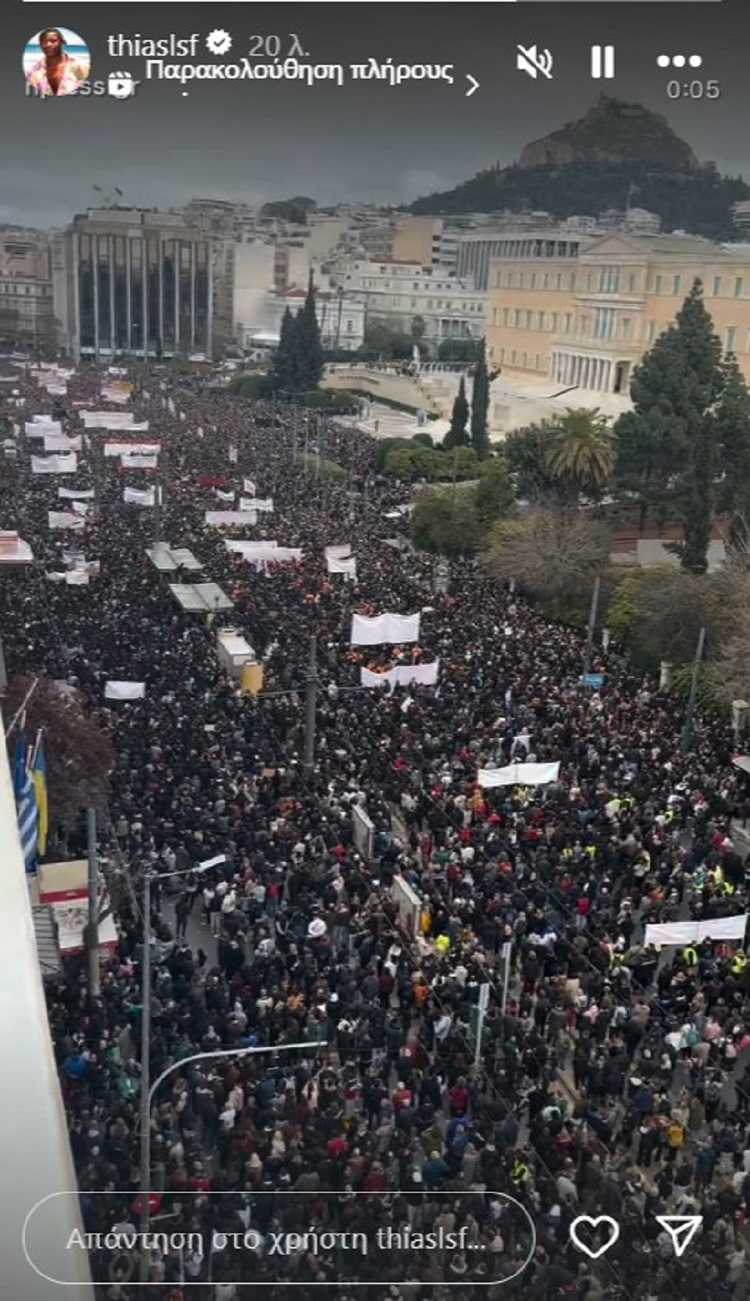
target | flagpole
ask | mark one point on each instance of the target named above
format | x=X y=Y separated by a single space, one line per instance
x=22 y=710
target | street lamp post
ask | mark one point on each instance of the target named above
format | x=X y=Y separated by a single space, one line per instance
x=148 y=1089
x=147 y=1099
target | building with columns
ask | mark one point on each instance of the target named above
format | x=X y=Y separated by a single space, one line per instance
x=584 y=322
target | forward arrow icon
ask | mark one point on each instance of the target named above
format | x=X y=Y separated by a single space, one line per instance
x=681 y=1229
x=474 y=84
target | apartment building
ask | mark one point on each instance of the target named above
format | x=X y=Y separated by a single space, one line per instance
x=27 y=317
x=583 y=318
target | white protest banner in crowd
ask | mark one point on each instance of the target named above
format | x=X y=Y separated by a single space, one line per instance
x=227 y=497
x=403 y=675
x=73 y=578
x=720 y=928
x=62 y=464
x=249 y=487
x=339 y=552
x=62 y=519
x=346 y=566
x=117 y=421
x=384 y=629
x=233 y=455
x=256 y=503
x=249 y=550
x=132 y=449
x=224 y=519
x=61 y=443
x=124 y=690
x=76 y=494
x=518 y=774
x=42 y=427
x=139 y=461
x=140 y=496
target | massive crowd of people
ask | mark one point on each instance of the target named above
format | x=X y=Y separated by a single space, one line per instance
x=610 y=1077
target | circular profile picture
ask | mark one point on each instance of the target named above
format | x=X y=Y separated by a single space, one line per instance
x=56 y=61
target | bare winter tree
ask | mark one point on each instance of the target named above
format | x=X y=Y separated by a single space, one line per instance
x=552 y=555
x=80 y=757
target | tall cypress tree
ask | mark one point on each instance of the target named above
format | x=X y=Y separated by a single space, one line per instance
x=480 y=405
x=285 y=373
x=456 y=435
x=308 y=347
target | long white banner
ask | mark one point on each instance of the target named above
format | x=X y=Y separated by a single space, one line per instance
x=132 y=449
x=62 y=519
x=518 y=774
x=76 y=494
x=121 y=421
x=140 y=496
x=63 y=464
x=403 y=675
x=61 y=443
x=721 y=928
x=224 y=519
x=390 y=629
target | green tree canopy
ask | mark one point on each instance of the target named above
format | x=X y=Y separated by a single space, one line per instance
x=445 y=522
x=495 y=496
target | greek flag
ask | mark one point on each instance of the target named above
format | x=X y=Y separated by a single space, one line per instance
x=26 y=805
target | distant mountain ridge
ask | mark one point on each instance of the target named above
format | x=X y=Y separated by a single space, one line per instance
x=615 y=152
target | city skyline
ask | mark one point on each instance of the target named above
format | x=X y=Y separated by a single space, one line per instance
x=364 y=142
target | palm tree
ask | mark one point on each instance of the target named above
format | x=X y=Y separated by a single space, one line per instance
x=582 y=450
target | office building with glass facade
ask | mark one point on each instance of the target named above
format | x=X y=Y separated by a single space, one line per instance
x=139 y=285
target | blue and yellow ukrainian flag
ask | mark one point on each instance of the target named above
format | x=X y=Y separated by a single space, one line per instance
x=39 y=777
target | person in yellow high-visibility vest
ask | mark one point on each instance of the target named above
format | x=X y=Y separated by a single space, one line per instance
x=442 y=944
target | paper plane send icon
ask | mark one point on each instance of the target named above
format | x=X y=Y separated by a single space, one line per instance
x=681 y=1229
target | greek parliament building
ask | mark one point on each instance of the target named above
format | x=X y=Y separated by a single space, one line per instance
x=581 y=314
x=130 y=282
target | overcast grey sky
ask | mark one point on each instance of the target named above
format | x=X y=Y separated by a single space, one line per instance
x=366 y=141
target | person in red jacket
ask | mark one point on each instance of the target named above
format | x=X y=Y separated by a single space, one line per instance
x=459 y=1097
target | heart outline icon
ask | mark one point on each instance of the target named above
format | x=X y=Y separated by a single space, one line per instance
x=594 y=1221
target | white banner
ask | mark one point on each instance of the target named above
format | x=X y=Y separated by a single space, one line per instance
x=42 y=427
x=76 y=494
x=347 y=566
x=226 y=497
x=114 y=420
x=249 y=550
x=61 y=443
x=721 y=928
x=223 y=519
x=518 y=774
x=137 y=461
x=77 y=578
x=62 y=519
x=403 y=675
x=124 y=690
x=256 y=503
x=249 y=487
x=384 y=629
x=132 y=449
x=341 y=552
x=233 y=454
x=140 y=496
x=54 y=464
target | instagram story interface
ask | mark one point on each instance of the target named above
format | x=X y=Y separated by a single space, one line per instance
x=374 y=644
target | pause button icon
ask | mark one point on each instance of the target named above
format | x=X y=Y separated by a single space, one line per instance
x=602 y=62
